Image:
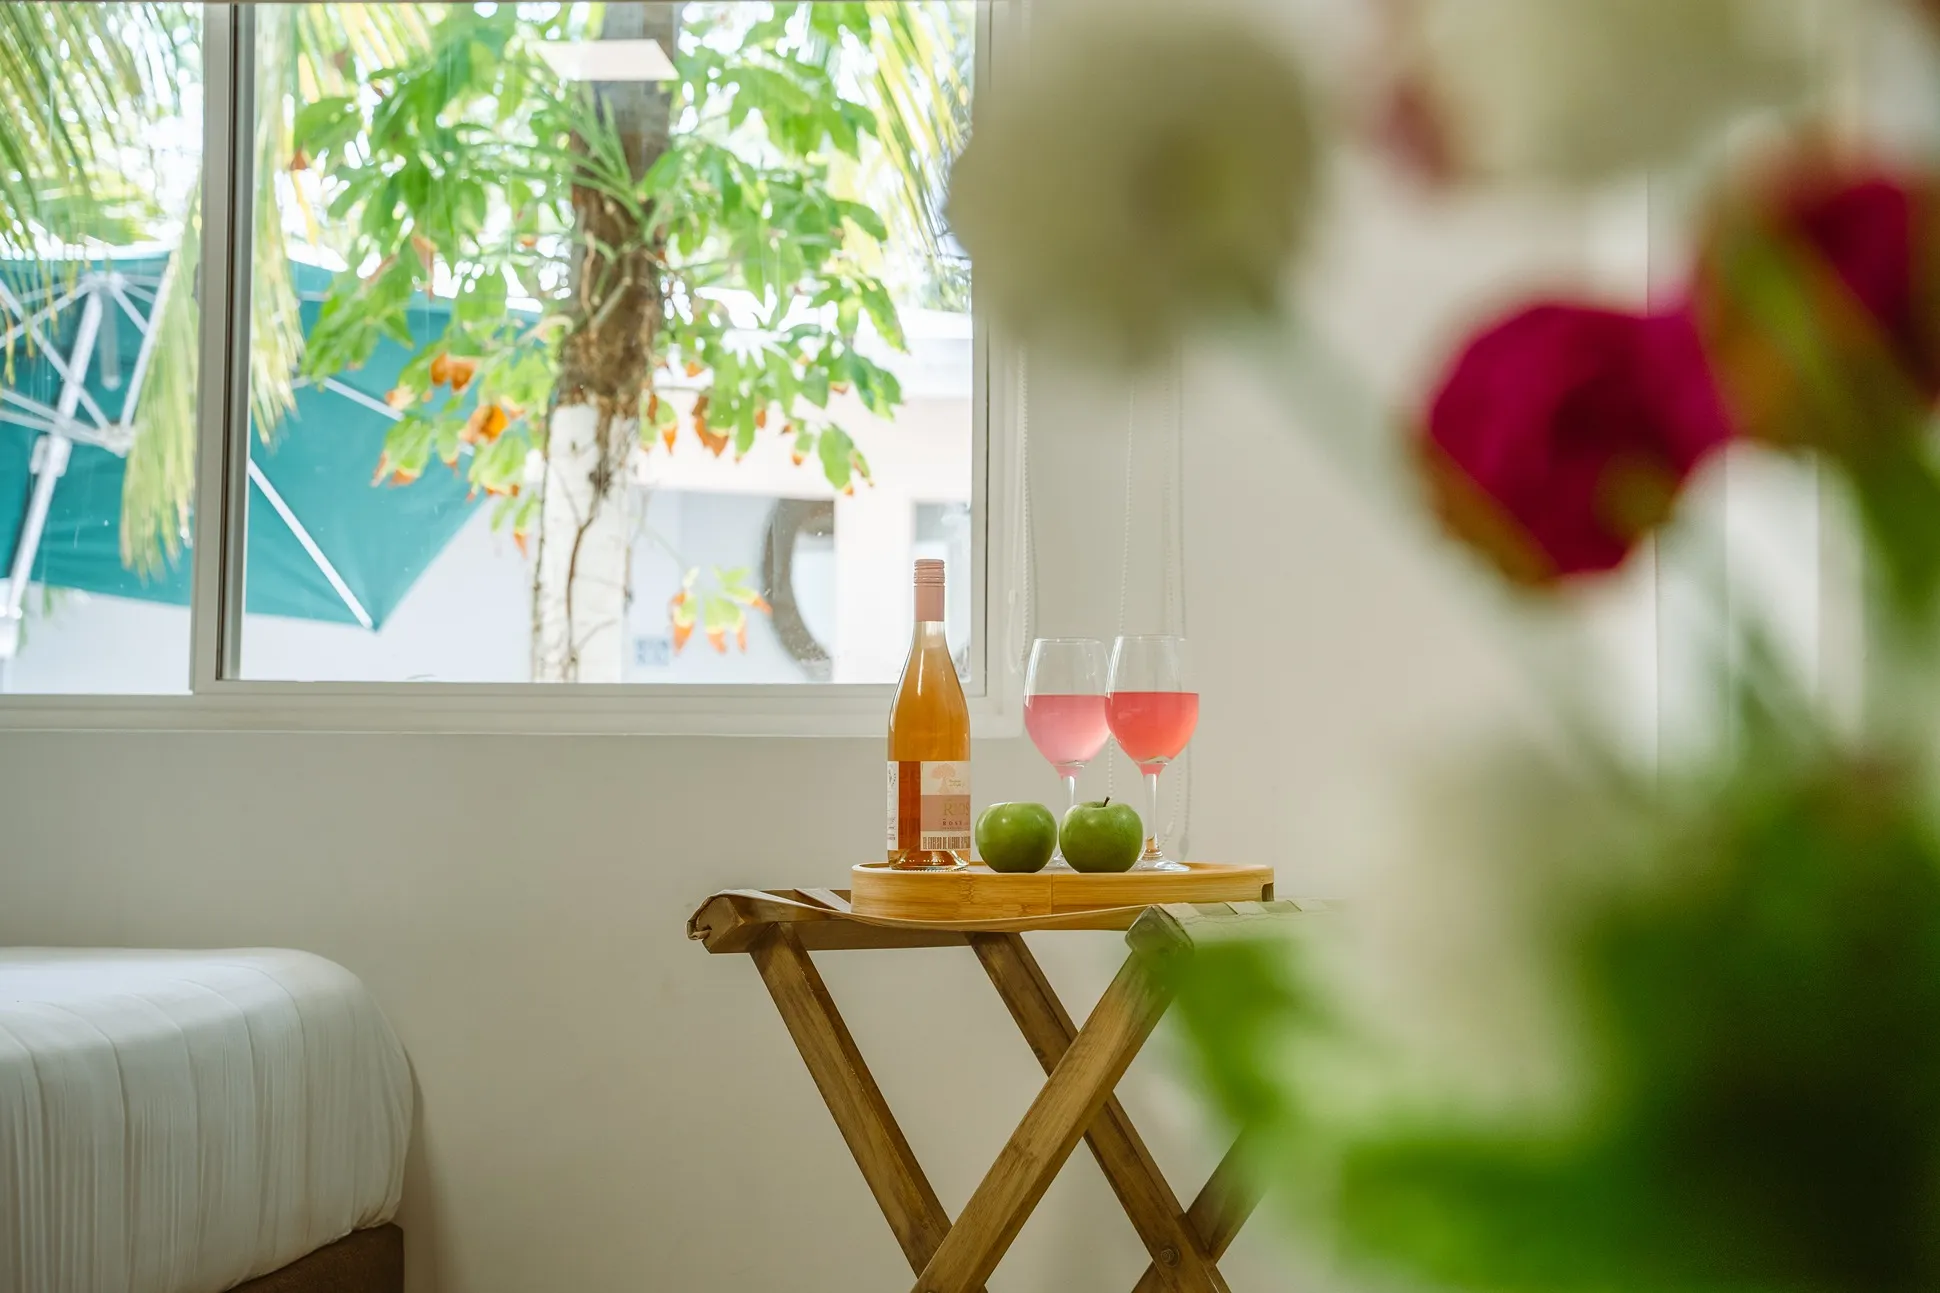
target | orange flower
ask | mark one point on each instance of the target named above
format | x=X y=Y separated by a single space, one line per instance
x=383 y=469
x=667 y=437
x=695 y=369
x=518 y=537
x=761 y=419
x=441 y=369
x=300 y=162
x=405 y=475
x=741 y=635
x=461 y=374
x=400 y=397
x=486 y=424
x=678 y=610
x=717 y=638
x=716 y=444
x=760 y=603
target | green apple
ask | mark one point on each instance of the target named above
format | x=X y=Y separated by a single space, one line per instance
x=1102 y=837
x=1017 y=838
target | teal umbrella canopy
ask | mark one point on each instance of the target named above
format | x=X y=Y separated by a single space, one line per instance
x=323 y=543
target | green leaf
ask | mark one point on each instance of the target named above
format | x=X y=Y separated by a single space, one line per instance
x=815 y=387
x=837 y=453
x=882 y=313
x=326 y=123
x=865 y=219
x=483 y=301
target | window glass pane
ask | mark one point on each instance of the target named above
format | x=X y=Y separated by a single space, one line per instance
x=606 y=343
x=101 y=129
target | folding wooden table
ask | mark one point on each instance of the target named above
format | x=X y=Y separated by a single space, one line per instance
x=779 y=929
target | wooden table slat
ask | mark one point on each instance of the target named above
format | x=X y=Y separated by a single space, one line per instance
x=1128 y=1166
x=902 y=1191
x=1078 y=1088
x=779 y=928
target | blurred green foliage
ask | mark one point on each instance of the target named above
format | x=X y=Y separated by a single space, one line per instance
x=1759 y=1102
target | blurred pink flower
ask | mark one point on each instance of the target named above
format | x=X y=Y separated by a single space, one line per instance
x=1564 y=433
x=1864 y=233
x=1823 y=272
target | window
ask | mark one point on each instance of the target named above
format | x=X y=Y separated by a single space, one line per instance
x=101 y=112
x=557 y=342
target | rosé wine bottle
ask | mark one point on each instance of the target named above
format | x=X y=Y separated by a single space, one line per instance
x=929 y=745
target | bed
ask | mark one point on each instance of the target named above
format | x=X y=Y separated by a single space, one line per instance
x=191 y=1122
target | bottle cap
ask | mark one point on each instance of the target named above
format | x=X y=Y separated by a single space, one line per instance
x=929 y=591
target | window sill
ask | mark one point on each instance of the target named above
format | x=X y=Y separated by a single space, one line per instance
x=796 y=712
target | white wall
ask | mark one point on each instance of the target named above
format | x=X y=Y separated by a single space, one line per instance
x=604 y=1107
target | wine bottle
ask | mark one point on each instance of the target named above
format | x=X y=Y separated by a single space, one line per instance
x=929 y=745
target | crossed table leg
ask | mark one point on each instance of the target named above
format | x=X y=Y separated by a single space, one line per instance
x=1083 y=1067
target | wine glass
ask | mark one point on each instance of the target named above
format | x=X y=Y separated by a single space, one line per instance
x=1064 y=710
x=1152 y=711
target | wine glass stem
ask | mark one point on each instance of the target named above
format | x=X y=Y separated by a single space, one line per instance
x=1070 y=780
x=1151 y=817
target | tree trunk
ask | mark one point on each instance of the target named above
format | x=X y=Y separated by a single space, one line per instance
x=579 y=590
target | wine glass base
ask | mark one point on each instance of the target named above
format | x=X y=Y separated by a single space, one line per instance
x=1162 y=864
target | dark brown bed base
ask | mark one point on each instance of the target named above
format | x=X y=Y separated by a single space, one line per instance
x=363 y=1261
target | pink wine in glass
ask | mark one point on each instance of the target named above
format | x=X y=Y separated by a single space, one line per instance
x=1153 y=727
x=1067 y=730
x=1064 y=711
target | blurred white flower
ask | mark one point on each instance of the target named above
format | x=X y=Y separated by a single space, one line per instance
x=1151 y=168
x=1587 y=90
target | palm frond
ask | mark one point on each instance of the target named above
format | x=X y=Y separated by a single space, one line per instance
x=81 y=88
x=920 y=91
x=338 y=47
x=275 y=314
x=303 y=53
x=78 y=82
x=158 y=489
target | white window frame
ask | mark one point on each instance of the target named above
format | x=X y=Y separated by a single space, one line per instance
x=219 y=699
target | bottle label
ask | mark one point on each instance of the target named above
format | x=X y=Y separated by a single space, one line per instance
x=929 y=806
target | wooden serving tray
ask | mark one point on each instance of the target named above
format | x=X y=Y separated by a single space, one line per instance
x=978 y=893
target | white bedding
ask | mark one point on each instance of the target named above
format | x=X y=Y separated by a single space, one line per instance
x=179 y=1122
